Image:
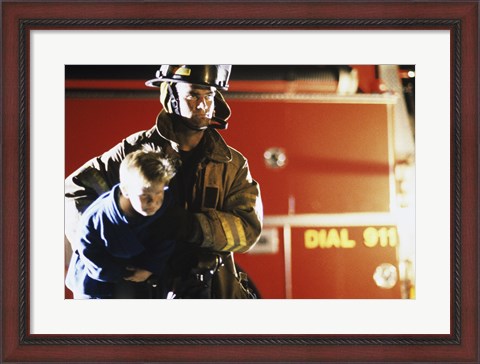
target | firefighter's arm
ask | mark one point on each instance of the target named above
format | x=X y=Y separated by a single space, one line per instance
x=87 y=183
x=81 y=189
x=238 y=226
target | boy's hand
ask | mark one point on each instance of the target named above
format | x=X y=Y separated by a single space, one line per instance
x=138 y=275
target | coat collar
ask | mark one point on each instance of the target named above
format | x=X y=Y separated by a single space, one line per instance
x=216 y=149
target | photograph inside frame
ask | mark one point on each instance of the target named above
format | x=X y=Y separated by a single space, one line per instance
x=240 y=181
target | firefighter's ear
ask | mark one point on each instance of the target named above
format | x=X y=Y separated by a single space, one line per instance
x=166 y=96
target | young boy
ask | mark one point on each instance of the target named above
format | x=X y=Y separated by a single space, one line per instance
x=116 y=254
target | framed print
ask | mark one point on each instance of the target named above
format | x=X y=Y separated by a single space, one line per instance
x=41 y=42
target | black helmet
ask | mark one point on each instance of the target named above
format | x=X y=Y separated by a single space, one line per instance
x=202 y=75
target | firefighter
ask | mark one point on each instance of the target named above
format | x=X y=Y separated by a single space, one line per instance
x=218 y=209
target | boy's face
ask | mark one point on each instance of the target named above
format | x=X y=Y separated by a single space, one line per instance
x=146 y=200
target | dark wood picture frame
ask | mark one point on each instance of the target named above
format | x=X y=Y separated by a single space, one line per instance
x=460 y=18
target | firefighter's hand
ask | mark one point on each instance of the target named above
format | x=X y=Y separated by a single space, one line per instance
x=138 y=274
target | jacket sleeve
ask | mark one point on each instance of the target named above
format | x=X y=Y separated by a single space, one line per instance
x=99 y=264
x=237 y=225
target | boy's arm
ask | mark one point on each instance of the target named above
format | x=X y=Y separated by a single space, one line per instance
x=99 y=263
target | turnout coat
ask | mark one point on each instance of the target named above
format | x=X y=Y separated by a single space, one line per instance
x=224 y=198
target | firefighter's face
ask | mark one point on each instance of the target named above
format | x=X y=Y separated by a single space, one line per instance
x=196 y=103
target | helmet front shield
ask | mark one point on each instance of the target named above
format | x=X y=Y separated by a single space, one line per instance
x=202 y=75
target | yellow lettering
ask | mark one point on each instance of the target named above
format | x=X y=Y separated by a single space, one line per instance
x=393 y=237
x=339 y=238
x=333 y=239
x=322 y=238
x=345 y=241
x=311 y=239
x=383 y=236
x=382 y=233
x=370 y=237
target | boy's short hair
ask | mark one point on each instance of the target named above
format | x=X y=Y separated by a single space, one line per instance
x=151 y=163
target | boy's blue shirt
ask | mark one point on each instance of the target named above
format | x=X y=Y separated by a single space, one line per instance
x=107 y=242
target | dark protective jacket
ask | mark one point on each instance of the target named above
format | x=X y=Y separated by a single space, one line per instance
x=224 y=198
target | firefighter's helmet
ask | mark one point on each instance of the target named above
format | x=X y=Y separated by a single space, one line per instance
x=203 y=75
